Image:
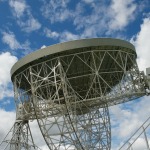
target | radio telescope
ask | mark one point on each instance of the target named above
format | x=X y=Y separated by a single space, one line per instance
x=68 y=88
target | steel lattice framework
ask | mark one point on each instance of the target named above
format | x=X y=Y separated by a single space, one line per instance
x=19 y=137
x=69 y=93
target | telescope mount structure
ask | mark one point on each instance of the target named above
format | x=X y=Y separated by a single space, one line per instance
x=68 y=88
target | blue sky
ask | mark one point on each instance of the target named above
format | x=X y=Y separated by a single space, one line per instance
x=26 y=26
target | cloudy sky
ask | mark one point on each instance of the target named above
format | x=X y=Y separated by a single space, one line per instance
x=26 y=26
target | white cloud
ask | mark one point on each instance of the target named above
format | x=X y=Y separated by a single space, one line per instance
x=56 y=11
x=10 y=39
x=18 y=7
x=43 y=46
x=127 y=123
x=93 y=23
x=6 y=92
x=64 y=36
x=103 y=18
x=68 y=36
x=5 y=67
x=23 y=16
x=29 y=25
x=121 y=13
x=88 y=1
x=142 y=44
x=7 y=121
x=140 y=144
x=6 y=62
x=51 y=34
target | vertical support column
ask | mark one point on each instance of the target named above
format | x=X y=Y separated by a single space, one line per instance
x=21 y=133
x=16 y=140
x=34 y=101
x=19 y=137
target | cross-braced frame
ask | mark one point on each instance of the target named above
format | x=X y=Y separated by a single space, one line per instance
x=69 y=94
x=19 y=137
